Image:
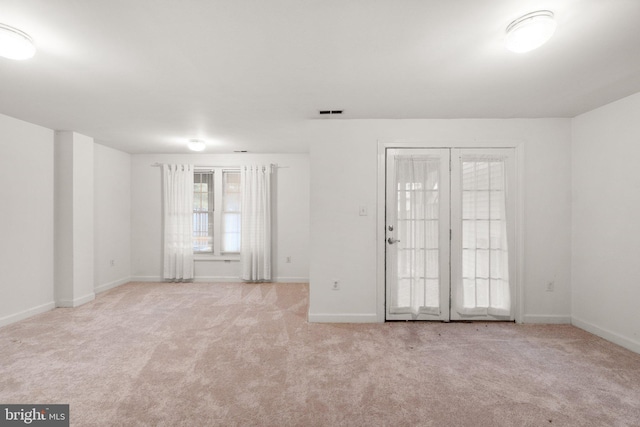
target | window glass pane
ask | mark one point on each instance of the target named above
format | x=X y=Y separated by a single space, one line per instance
x=468 y=176
x=497 y=205
x=484 y=250
x=231 y=223
x=203 y=212
x=432 y=293
x=231 y=202
x=202 y=239
x=497 y=175
x=417 y=230
x=231 y=242
x=482 y=175
x=482 y=205
x=482 y=234
x=231 y=233
x=468 y=234
x=204 y=201
x=232 y=182
x=468 y=263
x=231 y=206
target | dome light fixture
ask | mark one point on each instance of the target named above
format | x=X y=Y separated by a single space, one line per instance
x=530 y=31
x=15 y=44
x=196 y=145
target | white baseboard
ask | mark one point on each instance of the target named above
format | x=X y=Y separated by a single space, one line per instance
x=145 y=279
x=105 y=287
x=24 y=314
x=556 y=319
x=219 y=279
x=607 y=334
x=342 y=318
x=304 y=280
x=235 y=279
x=77 y=301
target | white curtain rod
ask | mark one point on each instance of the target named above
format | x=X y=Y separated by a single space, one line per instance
x=273 y=165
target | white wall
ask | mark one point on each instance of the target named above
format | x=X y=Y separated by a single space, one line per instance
x=606 y=221
x=344 y=176
x=112 y=217
x=26 y=219
x=291 y=222
x=73 y=238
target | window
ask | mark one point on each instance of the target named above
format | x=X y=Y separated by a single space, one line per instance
x=216 y=211
x=231 y=212
x=203 y=205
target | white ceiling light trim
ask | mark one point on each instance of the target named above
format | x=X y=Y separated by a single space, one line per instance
x=15 y=44
x=530 y=31
x=196 y=145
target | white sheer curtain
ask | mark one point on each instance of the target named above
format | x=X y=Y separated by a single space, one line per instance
x=178 y=221
x=255 y=247
x=417 y=179
x=485 y=254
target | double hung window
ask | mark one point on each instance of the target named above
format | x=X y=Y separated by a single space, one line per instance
x=216 y=211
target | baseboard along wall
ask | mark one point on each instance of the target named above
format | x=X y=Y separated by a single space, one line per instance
x=558 y=319
x=106 y=286
x=608 y=335
x=24 y=314
x=220 y=279
x=77 y=301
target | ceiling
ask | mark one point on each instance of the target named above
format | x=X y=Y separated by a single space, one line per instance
x=143 y=76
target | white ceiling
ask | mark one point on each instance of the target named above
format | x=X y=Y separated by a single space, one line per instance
x=144 y=75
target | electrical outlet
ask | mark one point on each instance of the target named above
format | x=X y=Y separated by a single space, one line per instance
x=288 y=260
x=112 y=262
x=335 y=285
x=551 y=286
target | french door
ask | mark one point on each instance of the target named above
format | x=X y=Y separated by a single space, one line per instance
x=449 y=226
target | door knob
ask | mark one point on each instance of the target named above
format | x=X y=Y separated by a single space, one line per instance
x=391 y=240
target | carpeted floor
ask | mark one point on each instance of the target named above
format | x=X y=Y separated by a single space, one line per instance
x=162 y=354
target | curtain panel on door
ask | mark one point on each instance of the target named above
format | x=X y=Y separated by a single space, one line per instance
x=178 y=222
x=255 y=240
x=417 y=218
x=484 y=285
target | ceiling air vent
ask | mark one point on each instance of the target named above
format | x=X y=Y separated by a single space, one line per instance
x=330 y=112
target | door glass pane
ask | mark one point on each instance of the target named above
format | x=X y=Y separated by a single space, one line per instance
x=485 y=272
x=417 y=201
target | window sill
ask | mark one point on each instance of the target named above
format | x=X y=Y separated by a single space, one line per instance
x=211 y=258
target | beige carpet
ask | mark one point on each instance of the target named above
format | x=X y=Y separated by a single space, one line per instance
x=241 y=355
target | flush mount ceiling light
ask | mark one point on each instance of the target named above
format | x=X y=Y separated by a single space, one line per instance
x=530 y=31
x=196 y=145
x=15 y=44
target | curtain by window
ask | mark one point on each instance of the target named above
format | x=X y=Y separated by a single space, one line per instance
x=178 y=222
x=255 y=247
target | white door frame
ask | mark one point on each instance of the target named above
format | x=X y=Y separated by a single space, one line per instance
x=380 y=213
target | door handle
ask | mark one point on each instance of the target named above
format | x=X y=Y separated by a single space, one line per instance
x=391 y=240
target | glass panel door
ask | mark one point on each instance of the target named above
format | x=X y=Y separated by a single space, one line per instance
x=417 y=234
x=482 y=231
x=449 y=234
